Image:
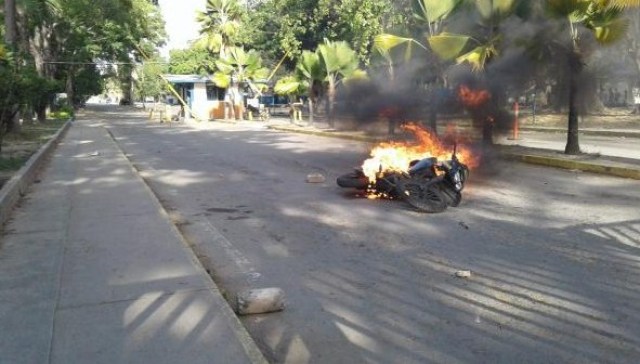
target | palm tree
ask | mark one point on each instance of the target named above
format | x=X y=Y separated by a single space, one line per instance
x=432 y=13
x=220 y=23
x=601 y=19
x=239 y=69
x=479 y=50
x=339 y=61
x=291 y=86
x=308 y=78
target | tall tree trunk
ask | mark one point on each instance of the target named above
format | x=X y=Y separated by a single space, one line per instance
x=332 y=98
x=40 y=50
x=69 y=86
x=575 y=67
x=126 y=84
x=311 y=109
x=11 y=29
x=8 y=115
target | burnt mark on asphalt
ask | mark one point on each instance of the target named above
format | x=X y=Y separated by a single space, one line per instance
x=233 y=218
x=223 y=210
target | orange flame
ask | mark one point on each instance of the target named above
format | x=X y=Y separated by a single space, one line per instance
x=473 y=98
x=396 y=156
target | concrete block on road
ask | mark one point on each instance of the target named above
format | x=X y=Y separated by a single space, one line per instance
x=262 y=300
x=315 y=178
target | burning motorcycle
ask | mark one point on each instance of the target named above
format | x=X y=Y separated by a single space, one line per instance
x=429 y=185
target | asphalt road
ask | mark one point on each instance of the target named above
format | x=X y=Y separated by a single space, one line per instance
x=554 y=254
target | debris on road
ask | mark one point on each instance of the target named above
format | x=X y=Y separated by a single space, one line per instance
x=463 y=274
x=461 y=223
x=261 y=300
x=315 y=178
x=93 y=154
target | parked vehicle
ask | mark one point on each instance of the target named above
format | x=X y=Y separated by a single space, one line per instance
x=428 y=185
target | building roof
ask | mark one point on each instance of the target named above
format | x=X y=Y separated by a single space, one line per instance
x=187 y=78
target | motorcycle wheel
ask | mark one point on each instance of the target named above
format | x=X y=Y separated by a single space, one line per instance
x=453 y=197
x=354 y=179
x=464 y=174
x=424 y=197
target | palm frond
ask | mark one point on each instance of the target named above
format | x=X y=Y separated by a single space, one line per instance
x=495 y=8
x=565 y=8
x=612 y=31
x=221 y=79
x=434 y=10
x=626 y=3
x=384 y=43
x=288 y=86
x=448 y=45
x=478 y=57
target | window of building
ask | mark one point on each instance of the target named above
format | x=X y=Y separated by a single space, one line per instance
x=215 y=93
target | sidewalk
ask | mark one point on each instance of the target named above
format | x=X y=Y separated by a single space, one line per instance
x=610 y=132
x=92 y=271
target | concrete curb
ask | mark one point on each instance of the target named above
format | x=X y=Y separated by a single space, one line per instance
x=358 y=138
x=618 y=171
x=17 y=186
x=240 y=332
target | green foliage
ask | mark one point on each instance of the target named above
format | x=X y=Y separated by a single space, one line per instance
x=21 y=88
x=432 y=16
x=88 y=82
x=60 y=115
x=603 y=18
x=220 y=24
x=447 y=45
x=338 y=58
x=12 y=163
x=292 y=26
x=432 y=11
x=77 y=32
x=240 y=70
x=191 y=61
x=309 y=73
x=480 y=43
x=495 y=9
x=5 y=54
x=290 y=85
x=149 y=82
x=240 y=66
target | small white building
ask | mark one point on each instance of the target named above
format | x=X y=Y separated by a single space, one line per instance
x=204 y=99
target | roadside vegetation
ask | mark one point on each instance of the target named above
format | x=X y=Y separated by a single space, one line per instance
x=19 y=146
x=70 y=47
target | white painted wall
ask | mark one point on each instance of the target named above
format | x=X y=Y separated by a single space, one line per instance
x=200 y=105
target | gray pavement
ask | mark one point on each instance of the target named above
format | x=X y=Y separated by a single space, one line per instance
x=93 y=271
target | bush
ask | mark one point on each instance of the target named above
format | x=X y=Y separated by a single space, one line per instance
x=63 y=111
x=60 y=115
